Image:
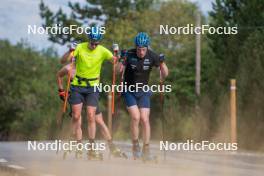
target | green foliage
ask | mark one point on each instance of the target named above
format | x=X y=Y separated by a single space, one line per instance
x=28 y=91
x=251 y=86
x=94 y=12
x=239 y=56
x=248 y=17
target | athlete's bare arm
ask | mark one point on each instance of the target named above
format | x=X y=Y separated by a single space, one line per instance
x=114 y=58
x=60 y=74
x=66 y=57
x=120 y=67
x=164 y=70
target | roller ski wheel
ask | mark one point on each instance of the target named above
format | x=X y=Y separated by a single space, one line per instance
x=120 y=154
x=150 y=159
x=94 y=155
x=124 y=155
x=147 y=157
x=137 y=154
x=117 y=152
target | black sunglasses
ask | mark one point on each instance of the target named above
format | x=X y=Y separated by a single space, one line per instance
x=93 y=43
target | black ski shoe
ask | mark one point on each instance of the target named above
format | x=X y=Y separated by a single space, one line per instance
x=137 y=154
x=116 y=152
x=147 y=157
x=94 y=155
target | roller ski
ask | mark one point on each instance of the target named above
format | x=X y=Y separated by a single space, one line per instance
x=116 y=152
x=147 y=157
x=94 y=155
x=137 y=154
x=78 y=154
x=65 y=153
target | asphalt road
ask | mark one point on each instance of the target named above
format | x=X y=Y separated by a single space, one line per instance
x=15 y=155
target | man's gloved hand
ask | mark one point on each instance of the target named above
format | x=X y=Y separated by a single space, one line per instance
x=123 y=56
x=73 y=46
x=62 y=94
x=123 y=53
x=161 y=58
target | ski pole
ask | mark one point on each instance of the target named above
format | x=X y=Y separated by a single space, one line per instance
x=162 y=109
x=122 y=60
x=115 y=48
x=68 y=83
x=64 y=103
x=123 y=57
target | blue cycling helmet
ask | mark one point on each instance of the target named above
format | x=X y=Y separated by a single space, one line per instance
x=142 y=40
x=95 y=34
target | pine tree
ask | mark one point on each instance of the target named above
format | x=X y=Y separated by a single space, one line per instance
x=93 y=12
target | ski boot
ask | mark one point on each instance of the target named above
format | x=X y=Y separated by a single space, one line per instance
x=147 y=157
x=116 y=152
x=137 y=154
x=94 y=155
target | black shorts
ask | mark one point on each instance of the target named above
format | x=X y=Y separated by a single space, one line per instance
x=89 y=96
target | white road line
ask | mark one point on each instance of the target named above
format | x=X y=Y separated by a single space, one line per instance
x=2 y=160
x=251 y=154
x=16 y=167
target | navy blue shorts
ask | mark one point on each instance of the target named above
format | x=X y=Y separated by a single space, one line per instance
x=98 y=111
x=141 y=99
x=89 y=96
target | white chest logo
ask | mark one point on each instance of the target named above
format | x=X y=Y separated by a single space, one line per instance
x=146 y=61
x=133 y=66
x=145 y=67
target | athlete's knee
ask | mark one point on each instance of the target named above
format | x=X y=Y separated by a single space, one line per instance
x=91 y=121
x=136 y=118
x=145 y=120
x=99 y=120
x=91 y=113
x=91 y=118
